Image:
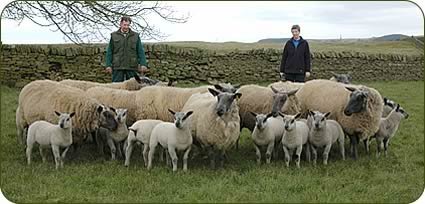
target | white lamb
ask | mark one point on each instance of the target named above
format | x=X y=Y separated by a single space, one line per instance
x=268 y=132
x=323 y=133
x=294 y=137
x=172 y=136
x=50 y=135
x=139 y=131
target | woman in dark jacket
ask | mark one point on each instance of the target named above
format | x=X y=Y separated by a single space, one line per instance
x=295 y=64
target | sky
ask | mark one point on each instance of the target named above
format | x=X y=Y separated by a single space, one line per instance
x=251 y=21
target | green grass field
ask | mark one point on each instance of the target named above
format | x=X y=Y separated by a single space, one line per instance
x=89 y=177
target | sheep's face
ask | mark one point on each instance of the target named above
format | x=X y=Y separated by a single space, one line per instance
x=180 y=118
x=400 y=110
x=279 y=100
x=121 y=115
x=107 y=117
x=318 y=119
x=65 y=119
x=290 y=121
x=343 y=78
x=227 y=87
x=134 y=83
x=357 y=102
x=225 y=101
x=261 y=120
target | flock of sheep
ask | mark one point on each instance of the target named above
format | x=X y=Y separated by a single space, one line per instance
x=285 y=116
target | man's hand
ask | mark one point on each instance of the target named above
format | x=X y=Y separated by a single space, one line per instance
x=143 y=69
x=108 y=70
x=307 y=74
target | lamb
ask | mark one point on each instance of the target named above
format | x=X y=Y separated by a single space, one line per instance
x=342 y=78
x=116 y=137
x=389 y=105
x=215 y=122
x=172 y=136
x=55 y=136
x=268 y=132
x=357 y=110
x=37 y=99
x=387 y=129
x=323 y=133
x=294 y=137
x=132 y=84
x=139 y=131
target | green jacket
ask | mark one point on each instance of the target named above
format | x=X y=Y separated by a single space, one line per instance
x=125 y=52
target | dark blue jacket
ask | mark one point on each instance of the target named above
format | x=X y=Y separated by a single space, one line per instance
x=295 y=60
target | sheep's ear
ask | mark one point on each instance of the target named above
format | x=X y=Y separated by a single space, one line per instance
x=57 y=113
x=281 y=114
x=171 y=111
x=99 y=108
x=113 y=109
x=274 y=90
x=213 y=92
x=131 y=129
x=269 y=115
x=252 y=113
x=187 y=115
x=398 y=107
x=385 y=100
x=218 y=87
x=138 y=78
x=310 y=112
x=72 y=114
x=350 y=88
x=171 y=83
x=327 y=114
x=290 y=93
x=238 y=95
x=297 y=115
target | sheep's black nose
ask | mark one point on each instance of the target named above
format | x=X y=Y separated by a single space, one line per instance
x=220 y=112
x=347 y=113
x=61 y=125
x=317 y=125
x=275 y=114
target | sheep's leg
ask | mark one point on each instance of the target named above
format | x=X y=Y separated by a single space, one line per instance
x=112 y=147
x=379 y=146
x=275 y=153
x=211 y=156
x=314 y=152
x=99 y=143
x=118 y=146
x=366 y=145
x=185 y=156
x=129 y=150
x=307 y=152
x=167 y=158
x=150 y=156
x=43 y=156
x=287 y=156
x=326 y=153
x=298 y=154
x=354 y=139
x=29 y=150
x=386 y=141
x=221 y=157
x=341 y=147
x=269 y=152
x=56 y=154
x=161 y=154
x=173 y=156
x=63 y=155
x=257 y=153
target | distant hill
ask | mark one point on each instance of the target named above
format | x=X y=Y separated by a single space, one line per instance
x=392 y=37
x=273 y=40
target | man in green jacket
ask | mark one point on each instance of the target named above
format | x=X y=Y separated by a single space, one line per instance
x=125 y=55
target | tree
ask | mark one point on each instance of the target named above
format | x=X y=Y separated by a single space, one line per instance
x=91 y=21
